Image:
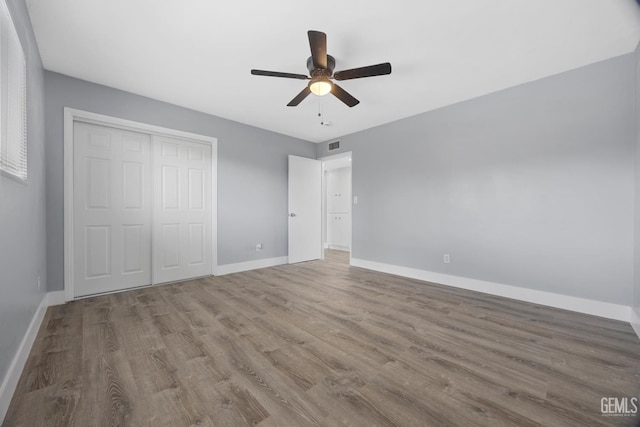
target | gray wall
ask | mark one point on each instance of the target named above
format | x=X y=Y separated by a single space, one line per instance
x=636 y=243
x=531 y=186
x=22 y=212
x=252 y=169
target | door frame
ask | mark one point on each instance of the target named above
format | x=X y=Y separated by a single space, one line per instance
x=324 y=159
x=72 y=115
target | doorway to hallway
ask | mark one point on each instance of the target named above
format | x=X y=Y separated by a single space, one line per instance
x=337 y=212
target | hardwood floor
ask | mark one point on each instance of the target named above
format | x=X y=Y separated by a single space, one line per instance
x=321 y=343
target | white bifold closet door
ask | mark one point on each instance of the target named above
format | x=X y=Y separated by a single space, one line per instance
x=181 y=209
x=112 y=209
x=141 y=211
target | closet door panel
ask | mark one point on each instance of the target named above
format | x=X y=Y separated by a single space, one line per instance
x=182 y=210
x=135 y=248
x=112 y=209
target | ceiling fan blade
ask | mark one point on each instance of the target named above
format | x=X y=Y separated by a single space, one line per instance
x=299 y=97
x=318 y=44
x=279 y=74
x=343 y=95
x=358 y=73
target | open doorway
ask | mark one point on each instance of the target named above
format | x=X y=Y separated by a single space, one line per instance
x=336 y=207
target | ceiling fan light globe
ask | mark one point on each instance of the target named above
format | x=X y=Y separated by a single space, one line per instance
x=320 y=87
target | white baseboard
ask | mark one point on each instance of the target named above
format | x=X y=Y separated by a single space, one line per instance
x=635 y=321
x=55 y=298
x=581 y=305
x=221 y=270
x=10 y=381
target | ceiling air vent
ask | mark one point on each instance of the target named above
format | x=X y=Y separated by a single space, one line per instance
x=334 y=145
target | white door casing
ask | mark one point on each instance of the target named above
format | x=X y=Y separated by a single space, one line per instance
x=181 y=209
x=112 y=209
x=305 y=209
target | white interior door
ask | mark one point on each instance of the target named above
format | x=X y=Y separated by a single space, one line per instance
x=305 y=209
x=182 y=210
x=111 y=209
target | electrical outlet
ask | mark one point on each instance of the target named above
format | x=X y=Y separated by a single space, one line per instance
x=446 y=258
x=39 y=283
x=258 y=247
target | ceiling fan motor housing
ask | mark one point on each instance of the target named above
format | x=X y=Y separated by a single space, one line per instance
x=328 y=72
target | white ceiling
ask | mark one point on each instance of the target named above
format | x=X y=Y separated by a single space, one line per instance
x=199 y=53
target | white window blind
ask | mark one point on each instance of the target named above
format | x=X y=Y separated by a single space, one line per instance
x=13 y=100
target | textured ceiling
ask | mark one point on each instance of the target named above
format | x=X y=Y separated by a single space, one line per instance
x=199 y=53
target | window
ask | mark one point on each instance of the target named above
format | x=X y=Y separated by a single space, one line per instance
x=13 y=100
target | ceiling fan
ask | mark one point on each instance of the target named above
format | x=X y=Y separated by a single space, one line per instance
x=320 y=66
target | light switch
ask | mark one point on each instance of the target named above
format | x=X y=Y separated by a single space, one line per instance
x=355 y=200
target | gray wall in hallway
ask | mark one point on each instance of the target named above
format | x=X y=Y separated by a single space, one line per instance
x=636 y=235
x=22 y=212
x=252 y=168
x=531 y=186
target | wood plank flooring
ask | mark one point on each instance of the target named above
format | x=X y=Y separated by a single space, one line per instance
x=321 y=344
